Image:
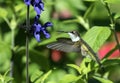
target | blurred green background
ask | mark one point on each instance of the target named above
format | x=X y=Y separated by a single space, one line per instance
x=50 y=66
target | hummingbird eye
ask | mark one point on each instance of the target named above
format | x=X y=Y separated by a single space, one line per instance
x=72 y=31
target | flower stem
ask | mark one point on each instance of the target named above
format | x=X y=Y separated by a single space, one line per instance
x=27 y=46
x=112 y=25
x=27 y=57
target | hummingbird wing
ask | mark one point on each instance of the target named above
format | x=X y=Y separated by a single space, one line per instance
x=64 y=44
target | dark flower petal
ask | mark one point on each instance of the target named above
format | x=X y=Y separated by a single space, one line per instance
x=37 y=9
x=37 y=27
x=37 y=19
x=37 y=36
x=48 y=24
x=41 y=6
x=47 y=35
x=37 y=1
x=27 y=2
x=32 y=2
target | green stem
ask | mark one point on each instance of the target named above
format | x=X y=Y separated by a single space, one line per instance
x=112 y=25
x=27 y=46
x=0 y=34
x=27 y=59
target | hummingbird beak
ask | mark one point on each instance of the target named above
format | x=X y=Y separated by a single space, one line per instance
x=62 y=31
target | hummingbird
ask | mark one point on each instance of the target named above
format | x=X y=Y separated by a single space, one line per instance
x=74 y=44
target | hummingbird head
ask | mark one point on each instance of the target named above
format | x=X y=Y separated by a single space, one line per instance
x=74 y=35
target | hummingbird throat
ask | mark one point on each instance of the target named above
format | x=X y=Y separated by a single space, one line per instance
x=73 y=37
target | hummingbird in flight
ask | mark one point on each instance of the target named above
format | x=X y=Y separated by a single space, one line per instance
x=74 y=44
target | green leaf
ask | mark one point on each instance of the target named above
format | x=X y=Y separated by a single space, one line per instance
x=102 y=80
x=1 y=78
x=114 y=7
x=76 y=4
x=111 y=62
x=13 y=23
x=96 y=36
x=117 y=15
x=37 y=74
x=97 y=8
x=51 y=82
x=8 y=79
x=112 y=1
x=38 y=57
x=4 y=12
x=4 y=78
x=81 y=81
x=34 y=67
x=88 y=11
x=85 y=68
x=90 y=0
x=45 y=16
x=5 y=55
x=19 y=7
x=75 y=67
x=83 y=22
x=69 y=78
x=44 y=77
x=80 y=20
x=56 y=75
x=7 y=37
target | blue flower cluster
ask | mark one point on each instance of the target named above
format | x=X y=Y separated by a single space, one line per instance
x=37 y=27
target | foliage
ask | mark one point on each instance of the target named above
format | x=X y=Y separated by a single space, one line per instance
x=4 y=78
x=89 y=17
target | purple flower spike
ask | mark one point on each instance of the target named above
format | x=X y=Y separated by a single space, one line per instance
x=47 y=35
x=37 y=9
x=48 y=24
x=36 y=27
x=37 y=36
x=45 y=32
x=42 y=6
x=36 y=31
x=37 y=1
x=27 y=2
x=36 y=19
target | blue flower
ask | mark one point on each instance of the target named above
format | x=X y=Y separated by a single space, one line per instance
x=37 y=4
x=37 y=1
x=36 y=31
x=47 y=24
x=37 y=19
x=37 y=28
x=38 y=8
x=45 y=32
x=27 y=2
